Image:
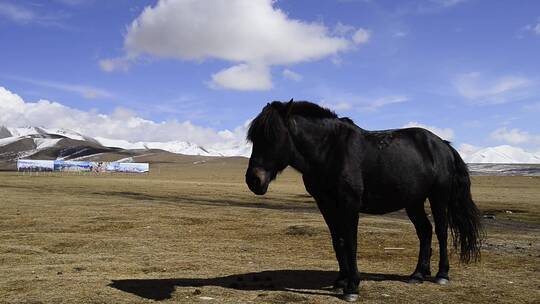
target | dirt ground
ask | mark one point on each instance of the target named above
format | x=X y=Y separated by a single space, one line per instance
x=193 y=233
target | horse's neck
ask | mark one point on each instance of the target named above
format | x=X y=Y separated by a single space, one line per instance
x=312 y=142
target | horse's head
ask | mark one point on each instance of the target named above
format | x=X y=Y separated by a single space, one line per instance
x=272 y=146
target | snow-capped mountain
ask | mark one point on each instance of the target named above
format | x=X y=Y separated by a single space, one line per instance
x=31 y=140
x=501 y=155
x=179 y=147
x=25 y=131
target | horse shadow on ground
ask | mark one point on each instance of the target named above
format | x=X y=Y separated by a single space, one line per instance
x=314 y=282
x=290 y=205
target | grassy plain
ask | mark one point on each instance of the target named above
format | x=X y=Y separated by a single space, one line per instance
x=193 y=233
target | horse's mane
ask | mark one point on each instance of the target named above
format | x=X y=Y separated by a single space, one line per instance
x=309 y=110
x=269 y=124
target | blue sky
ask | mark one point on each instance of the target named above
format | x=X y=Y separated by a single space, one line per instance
x=468 y=69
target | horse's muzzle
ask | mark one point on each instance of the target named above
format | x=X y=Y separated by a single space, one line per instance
x=257 y=180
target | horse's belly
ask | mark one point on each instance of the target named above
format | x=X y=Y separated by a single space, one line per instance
x=380 y=208
x=382 y=202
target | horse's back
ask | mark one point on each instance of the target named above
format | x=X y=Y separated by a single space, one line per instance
x=401 y=148
x=400 y=167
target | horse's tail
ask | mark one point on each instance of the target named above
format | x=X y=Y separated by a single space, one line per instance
x=463 y=215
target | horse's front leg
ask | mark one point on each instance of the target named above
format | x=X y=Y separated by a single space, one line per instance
x=339 y=248
x=349 y=229
x=329 y=213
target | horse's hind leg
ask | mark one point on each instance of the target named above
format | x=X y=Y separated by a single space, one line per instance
x=418 y=217
x=439 y=209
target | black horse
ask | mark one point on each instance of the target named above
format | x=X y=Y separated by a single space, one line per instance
x=349 y=170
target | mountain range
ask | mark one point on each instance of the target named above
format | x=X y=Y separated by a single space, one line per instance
x=503 y=154
x=43 y=143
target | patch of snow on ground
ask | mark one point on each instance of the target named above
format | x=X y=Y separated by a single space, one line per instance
x=24 y=131
x=8 y=140
x=66 y=133
x=44 y=143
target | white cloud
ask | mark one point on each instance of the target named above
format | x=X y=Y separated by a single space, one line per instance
x=514 y=136
x=339 y=106
x=121 y=124
x=448 y=3
x=338 y=100
x=74 y=2
x=400 y=34
x=343 y=29
x=361 y=36
x=88 y=92
x=444 y=133
x=336 y=60
x=233 y=30
x=24 y=15
x=533 y=28
x=475 y=87
x=243 y=77
x=114 y=64
x=429 y=6
x=250 y=33
x=377 y=103
x=16 y=13
x=288 y=74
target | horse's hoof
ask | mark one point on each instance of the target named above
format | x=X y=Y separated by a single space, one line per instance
x=350 y=297
x=442 y=281
x=415 y=279
x=339 y=285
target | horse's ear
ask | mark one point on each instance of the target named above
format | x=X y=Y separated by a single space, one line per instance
x=288 y=108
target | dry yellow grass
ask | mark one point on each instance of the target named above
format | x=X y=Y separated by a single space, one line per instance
x=195 y=231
